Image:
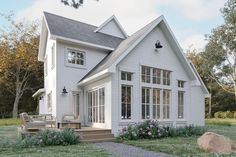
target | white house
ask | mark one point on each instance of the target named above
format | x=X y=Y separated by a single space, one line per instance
x=110 y=79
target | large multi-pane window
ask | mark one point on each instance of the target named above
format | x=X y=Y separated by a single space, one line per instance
x=96 y=106
x=126 y=95
x=75 y=57
x=166 y=104
x=156 y=103
x=156 y=76
x=145 y=103
x=146 y=74
x=166 y=77
x=180 y=104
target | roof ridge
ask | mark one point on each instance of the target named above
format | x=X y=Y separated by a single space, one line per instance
x=69 y=19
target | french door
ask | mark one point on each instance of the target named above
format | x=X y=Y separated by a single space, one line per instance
x=76 y=103
x=96 y=106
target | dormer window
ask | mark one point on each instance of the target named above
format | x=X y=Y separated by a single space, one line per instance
x=75 y=57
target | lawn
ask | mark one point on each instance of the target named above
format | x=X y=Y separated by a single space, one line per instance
x=219 y=121
x=9 y=121
x=9 y=134
x=184 y=146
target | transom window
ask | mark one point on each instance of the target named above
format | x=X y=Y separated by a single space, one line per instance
x=146 y=74
x=126 y=76
x=158 y=76
x=126 y=92
x=180 y=84
x=75 y=57
x=180 y=104
x=166 y=77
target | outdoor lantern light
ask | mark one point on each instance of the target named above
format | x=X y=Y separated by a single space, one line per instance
x=158 y=45
x=64 y=90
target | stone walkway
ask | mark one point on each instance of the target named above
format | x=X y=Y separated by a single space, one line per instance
x=123 y=150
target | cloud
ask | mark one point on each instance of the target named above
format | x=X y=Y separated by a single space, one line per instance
x=196 y=41
x=133 y=14
x=196 y=9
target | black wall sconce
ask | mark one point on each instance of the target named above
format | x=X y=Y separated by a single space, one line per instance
x=64 y=90
x=158 y=45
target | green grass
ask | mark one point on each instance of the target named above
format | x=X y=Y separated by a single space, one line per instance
x=8 y=134
x=9 y=121
x=220 y=121
x=184 y=146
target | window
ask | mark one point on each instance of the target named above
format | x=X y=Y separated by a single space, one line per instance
x=53 y=55
x=166 y=77
x=49 y=102
x=180 y=84
x=180 y=104
x=156 y=76
x=76 y=104
x=146 y=74
x=166 y=104
x=96 y=106
x=145 y=103
x=75 y=57
x=102 y=105
x=156 y=103
x=126 y=102
x=127 y=76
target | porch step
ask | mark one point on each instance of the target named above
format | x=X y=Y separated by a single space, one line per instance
x=95 y=135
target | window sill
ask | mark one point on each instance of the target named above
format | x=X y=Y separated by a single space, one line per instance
x=75 y=66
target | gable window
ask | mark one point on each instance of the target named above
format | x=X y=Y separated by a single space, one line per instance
x=146 y=74
x=75 y=57
x=145 y=103
x=126 y=76
x=49 y=97
x=180 y=84
x=156 y=76
x=156 y=103
x=53 y=55
x=180 y=104
x=166 y=77
x=166 y=104
x=126 y=102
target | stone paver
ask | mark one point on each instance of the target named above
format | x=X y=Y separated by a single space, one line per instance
x=124 y=150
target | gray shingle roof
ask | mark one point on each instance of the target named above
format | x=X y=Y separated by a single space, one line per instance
x=64 y=27
x=124 y=45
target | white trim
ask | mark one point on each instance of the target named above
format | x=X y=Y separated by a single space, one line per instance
x=82 y=43
x=116 y=21
x=38 y=93
x=93 y=77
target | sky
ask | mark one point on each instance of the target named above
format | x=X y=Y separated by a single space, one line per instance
x=189 y=20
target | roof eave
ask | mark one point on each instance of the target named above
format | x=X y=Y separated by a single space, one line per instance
x=82 y=43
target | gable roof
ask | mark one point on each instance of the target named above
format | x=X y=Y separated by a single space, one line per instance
x=109 y=63
x=112 y=18
x=63 y=27
x=115 y=55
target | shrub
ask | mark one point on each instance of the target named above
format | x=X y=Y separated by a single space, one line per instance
x=49 y=138
x=152 y=130
x=224 y=115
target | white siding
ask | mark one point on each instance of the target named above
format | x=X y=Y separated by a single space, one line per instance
x=111 y=28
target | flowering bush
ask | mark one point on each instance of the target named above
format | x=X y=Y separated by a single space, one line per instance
x=152 y=130
x=49 y=138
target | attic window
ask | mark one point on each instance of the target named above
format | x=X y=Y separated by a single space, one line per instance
x=75 y=57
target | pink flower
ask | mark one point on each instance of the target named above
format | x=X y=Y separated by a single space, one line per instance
x=149 y=133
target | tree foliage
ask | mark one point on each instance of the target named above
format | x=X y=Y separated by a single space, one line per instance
x=18 y=61
x=73 y=3
x=219 y=56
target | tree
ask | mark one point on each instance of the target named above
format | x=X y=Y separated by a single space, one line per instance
x=220 y=53
x=73 y=3
x=18 y=61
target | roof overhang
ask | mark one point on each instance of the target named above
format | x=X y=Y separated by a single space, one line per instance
x=38 y=93
x=60 y=38
x=95 y=77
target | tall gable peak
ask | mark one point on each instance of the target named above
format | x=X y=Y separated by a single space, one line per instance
x=112 y=27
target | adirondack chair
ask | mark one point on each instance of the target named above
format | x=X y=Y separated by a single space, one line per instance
x=29 y=124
